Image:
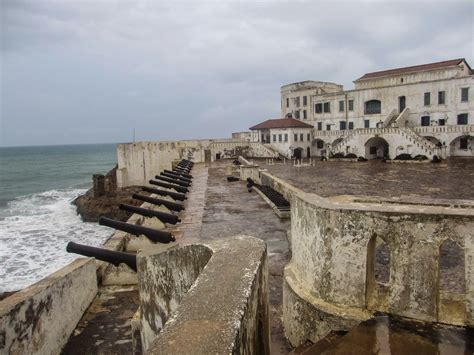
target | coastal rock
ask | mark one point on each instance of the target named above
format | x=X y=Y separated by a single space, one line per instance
x=92 y=208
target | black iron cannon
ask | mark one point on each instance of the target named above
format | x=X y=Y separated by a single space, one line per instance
x=176 y=176
x=114 y=257
x=157 y=201
x=169 y=186
x=154 y=235
x=162 y=216
x=172 y=181
x=187 y=176
x=175 y=195
x=182 y=171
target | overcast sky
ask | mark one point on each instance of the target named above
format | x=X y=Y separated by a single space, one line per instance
x=90 y=72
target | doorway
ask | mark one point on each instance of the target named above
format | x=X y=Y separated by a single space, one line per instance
x=401 y=103
x=297 y=153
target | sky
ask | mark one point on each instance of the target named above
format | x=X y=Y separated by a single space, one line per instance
x=94 y=71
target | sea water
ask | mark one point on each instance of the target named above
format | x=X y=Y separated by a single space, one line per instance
x=37 y=219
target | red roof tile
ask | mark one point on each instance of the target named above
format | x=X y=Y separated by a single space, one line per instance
x=412 y=69
x=282 y=123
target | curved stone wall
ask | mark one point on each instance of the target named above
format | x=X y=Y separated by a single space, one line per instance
x=329 y=284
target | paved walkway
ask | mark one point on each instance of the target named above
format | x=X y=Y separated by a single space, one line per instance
x=230 y=210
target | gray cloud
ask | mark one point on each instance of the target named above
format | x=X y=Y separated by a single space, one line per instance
x=82 y=71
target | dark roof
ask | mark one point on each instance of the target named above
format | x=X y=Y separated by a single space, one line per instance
x=282 y=123
x=412 y=69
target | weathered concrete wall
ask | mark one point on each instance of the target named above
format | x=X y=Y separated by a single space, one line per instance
x=329 y=270
x=40 y=318
x=225 y=310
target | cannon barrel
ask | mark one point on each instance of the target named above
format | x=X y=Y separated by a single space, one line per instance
x=183 y=167
x=110 y=256
x=152 y=234
x=162 y=216
x=169 y=186
x=176 y=176
x=176 y=195
x=187 y=176
x=172 y=181
x=157 y=201
x=181 y=171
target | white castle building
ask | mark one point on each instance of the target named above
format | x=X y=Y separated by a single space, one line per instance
x=419 y=110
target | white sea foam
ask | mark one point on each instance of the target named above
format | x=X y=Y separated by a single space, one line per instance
x=34 y=231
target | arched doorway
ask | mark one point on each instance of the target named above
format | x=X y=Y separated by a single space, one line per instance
x=298 y=153
x=376 y=147
x=308 y=152
x=462 y=146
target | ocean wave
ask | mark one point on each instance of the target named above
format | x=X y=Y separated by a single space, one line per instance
x=34 y=231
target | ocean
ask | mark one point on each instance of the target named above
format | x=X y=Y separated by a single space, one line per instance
x=37 y=219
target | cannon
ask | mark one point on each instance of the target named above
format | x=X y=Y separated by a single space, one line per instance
x=187 y=176
x=157 y=201
x=172 y=181
x=181 y=170
x=152 y=234
x=176 y=176
x=162 y=216
x=114 y=257
x=169 y=186
x=174 y=195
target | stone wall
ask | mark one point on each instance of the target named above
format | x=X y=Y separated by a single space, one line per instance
x=329 y=283
x=40 y=318
x=221 y=308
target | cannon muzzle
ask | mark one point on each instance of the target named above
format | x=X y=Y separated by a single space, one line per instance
x=162 y=216
x=158 y=201
x=152 y=234
x=114 y=257
x=169 y=186
x=172 y=180
x=175 y=195
x=176 y=176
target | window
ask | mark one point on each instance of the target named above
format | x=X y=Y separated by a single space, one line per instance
x=351 y=105
x=320 y=126
x=464 y=94
x=463 y=143
x=366 y=123
x=304 y=114
x=305 y=100
x=308 y=137
x=301 y=137
x=327 y=107
x=319 y=144
x=295 y=137
x=328 y=127
x=279 y=138
x=287 y=102
x=342 y=125
x=274 y=137
x=286 y=137
x=427 y=99
x=425 y=120
x=318 y=108
x=373 y=107
x=442 y=122
x=462 y=118
x=341 y=106
x=297 y=114
x=297 y=101
x=441 y=97
x=351 y=125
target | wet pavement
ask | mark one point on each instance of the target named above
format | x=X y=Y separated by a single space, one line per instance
x=451 y=179
x=230 y=210
x=397 y=336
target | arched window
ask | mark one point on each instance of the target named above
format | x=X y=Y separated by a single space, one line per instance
x=373 y=107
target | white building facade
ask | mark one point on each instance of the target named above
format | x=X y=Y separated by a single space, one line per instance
x=420 y=110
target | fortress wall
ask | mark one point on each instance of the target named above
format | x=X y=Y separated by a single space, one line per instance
x=40 y=318
x=330 y=283
x=223 y=311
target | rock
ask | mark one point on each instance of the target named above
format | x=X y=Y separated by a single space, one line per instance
x=92 y=208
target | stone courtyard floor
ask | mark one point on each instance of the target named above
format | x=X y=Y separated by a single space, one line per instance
x=450 y=179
